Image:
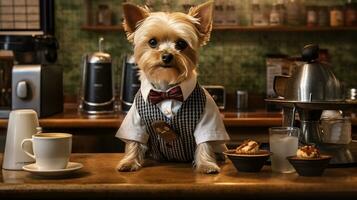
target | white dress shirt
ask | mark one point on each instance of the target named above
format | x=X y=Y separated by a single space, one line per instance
x=209 y=128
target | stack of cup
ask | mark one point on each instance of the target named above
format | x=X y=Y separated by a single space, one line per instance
x=22 y=124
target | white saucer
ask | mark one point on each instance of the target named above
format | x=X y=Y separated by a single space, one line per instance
x=71 y=167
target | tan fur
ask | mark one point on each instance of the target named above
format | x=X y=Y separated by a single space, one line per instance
x=141 y=26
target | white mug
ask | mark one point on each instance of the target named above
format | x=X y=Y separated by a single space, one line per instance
x=51 y=150
x=22 y=124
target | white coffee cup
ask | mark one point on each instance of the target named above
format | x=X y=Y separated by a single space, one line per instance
x=51 y=150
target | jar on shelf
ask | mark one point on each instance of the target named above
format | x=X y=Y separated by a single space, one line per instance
x=219 y=12
x=274 y=17
x=311 y=16
x=150 y=4
x=282 y=11
x=104 y=15
x=258 y=16
x=323 y=17
x=336 y=16
x=231 y=13
x=186 y=5
x=351 y=14
x=293 y=12
x=166 y=6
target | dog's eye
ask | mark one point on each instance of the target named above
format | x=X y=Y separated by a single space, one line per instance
x=153 y=43
x=181 y=45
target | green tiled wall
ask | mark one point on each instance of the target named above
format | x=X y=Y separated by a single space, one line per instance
x=233 y=59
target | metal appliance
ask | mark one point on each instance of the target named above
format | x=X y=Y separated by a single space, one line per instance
x=30 y=48
x=6 y=63
x=130 y=83
x=311 y=89
x=97 y=91
x=218 y=93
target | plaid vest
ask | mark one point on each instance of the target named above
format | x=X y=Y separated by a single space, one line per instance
x=183 y=123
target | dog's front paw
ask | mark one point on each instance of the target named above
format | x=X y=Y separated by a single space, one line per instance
x=128 y=166
x=208 y=168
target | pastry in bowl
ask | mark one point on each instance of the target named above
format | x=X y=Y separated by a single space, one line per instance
x=309 y=161
x=248 y=157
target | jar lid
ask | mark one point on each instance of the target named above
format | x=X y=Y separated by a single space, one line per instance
x=99 y=57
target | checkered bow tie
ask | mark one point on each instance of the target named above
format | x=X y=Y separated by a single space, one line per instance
x=156 y=96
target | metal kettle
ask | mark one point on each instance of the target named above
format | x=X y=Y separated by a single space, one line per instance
x=97 y=92
x=312 y=82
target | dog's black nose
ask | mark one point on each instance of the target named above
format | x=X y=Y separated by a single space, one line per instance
x=167 y=58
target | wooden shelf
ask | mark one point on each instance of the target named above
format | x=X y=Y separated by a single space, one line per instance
x=102 y=28
x=236 y=28
x=281 y=28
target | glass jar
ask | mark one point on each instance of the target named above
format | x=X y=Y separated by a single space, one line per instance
x=186 y=5
x=323 y=16
x=104 y=15
x=258 y=16
x=311 y=16
x=166 y=6
x=150 y=4
x=282 y=11
x=231 y=13
x=274 y=17
x=293 y=12
x=336 y=16
x=219 y=12
x=351 y=14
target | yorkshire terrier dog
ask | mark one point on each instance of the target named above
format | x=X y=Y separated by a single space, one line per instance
x=172 y=118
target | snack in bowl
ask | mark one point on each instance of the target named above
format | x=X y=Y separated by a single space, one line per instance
x=309 y=161
x=248 y=157
x=248 y=147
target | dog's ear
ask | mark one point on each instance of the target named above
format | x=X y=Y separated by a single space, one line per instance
x=204 y=14
x=132 y=16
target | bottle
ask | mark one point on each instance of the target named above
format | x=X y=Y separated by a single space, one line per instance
x=350 y=13
x=323 y=16
x=230 y=14
x=293 y=12
x=282 y=11
x=186 y=5
x=258 y=18
x=166 y=6
x=218 y=12
x=150 y=4
x=311 y=16
x=274 y=17
x=104 y=15
x=336 y=16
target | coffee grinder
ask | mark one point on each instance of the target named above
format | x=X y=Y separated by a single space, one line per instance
x=28 y=51
x=97 y=90
x=130 y=83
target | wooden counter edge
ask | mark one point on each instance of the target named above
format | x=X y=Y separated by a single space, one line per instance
x=228 y=190
x=77 y=122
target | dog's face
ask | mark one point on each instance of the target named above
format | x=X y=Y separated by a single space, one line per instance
x=166 y=44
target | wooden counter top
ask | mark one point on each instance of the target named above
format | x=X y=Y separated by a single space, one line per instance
x=70 y=118
x=99 y=178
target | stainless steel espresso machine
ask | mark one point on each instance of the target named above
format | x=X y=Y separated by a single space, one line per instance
x=310 y=90
x=28 y=51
